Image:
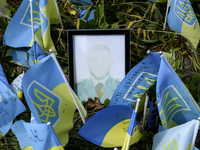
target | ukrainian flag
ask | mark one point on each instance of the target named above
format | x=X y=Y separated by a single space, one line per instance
x=175 y=104
x=133 y=129
x=16 y=86
x=182 y=18
x=19 y=32
x=176 y=138
x=137 y=81
x=38 y=136
x=49 y=97
x=108 y=127
x=10 y=107
x=36 y=53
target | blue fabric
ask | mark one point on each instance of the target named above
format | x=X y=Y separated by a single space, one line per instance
x=95 y=129
x=82 y=14
x=20 y=26
x=153 y=117
x=39 y=136
x=36 y=78
x=179 y=138
x=176 y=16
x=3 y=77
x=10 y=107
x=36 y=52
x=138 y=80
x=175 y=104
x=20 y=57
x=133 y=123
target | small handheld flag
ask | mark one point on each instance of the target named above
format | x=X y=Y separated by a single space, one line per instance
x=49 y=98
x=132 y=128
x=179 y=137
x=10 y=107
x=44 y=14
x=182 y=18
x=108 y=127
x=36 y=136
x=175 y=103
x=16 y=86
x=138 y=80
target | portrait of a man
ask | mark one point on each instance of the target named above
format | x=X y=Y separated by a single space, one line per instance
x=98 y=61
x=100 y=83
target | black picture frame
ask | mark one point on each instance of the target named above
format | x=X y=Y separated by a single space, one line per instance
x=79 y=41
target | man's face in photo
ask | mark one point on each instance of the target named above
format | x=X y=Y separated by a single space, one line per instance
x=99 y=63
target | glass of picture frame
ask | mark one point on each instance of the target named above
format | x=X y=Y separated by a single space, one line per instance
x=98 y=60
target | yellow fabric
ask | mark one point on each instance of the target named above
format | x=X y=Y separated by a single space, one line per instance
x=129 y=140
x=67 y=109
x=52 y=148
x=1 y=135
x=45 y=41
x=20 y=94
x=192 y=33
x=28 y=148
x=56 y=148
x=116 y=135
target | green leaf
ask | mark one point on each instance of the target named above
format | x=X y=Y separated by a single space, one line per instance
x=150 y=41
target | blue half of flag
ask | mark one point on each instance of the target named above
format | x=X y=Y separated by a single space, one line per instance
x=39 y=136
x=10 y=107
x=3 y=77
x=138 y=80
x=179 y=137
x=175 y=104
x=19 y=56
x=36 y=52
x=108 y=127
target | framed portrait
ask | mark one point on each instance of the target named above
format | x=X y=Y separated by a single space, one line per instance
x=98 y=60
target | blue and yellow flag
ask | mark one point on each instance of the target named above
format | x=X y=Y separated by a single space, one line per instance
x=83 y=12
x=3 y=77
x=10 y=107
x=108 y=127
x=182 y=18
x=33 y=136
x=132 y=129
x=175 y=104
x=20 y=57
x=49 y=98
x=36 y=52
x=138 y=80
x=44 y=14
x=176 y=138
x=16 y=86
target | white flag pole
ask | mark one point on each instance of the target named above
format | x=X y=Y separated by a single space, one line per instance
x=69 y=87
x=145 y=109
x=61 y=23
x=168 y=3
x=32 y=25
x=1 y=14
x=196 y=129
x=137 y=105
